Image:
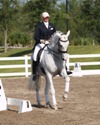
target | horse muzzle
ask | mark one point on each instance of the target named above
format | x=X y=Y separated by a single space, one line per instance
x=64 y=56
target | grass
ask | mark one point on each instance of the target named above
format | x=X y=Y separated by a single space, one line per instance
x=85 y=50
x=71 y=50
x=16 y=52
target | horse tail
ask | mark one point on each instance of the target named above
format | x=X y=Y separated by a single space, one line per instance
x=34 y=85
x=31 y=84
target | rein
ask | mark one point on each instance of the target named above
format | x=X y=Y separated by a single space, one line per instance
x=52 y=51
x=58 y=51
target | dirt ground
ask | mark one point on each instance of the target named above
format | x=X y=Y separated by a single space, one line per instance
x=81 y=108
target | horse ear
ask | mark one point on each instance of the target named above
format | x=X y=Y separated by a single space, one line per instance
x=68 y=33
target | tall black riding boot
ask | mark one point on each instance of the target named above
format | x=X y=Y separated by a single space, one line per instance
x=34 y=68
x=68 y=71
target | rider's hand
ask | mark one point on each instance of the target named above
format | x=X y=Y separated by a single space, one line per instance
x=46 y=42
x=42 y=41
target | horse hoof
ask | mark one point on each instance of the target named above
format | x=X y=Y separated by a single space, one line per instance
x=65 y=96
x=49 y=105
x=55 y=107
x=39 y=105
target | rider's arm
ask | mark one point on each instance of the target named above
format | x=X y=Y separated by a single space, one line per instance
x=37 y=34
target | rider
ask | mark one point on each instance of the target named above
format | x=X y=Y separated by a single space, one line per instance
x=43 y=32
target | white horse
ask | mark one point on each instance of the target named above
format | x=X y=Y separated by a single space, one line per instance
x=52 y=62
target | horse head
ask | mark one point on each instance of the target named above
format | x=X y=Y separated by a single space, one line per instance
x=59 y=43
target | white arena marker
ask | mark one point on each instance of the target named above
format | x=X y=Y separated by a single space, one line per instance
x=24 y=105
x=3 y=102
x=77 y=70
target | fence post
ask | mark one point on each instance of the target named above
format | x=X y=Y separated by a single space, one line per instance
x=26 y=65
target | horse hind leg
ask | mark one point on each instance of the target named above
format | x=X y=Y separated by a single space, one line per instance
x=65 y=96
x=37 y=88
x=47 y=87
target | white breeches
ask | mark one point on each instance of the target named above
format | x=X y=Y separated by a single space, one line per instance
x=36 y=50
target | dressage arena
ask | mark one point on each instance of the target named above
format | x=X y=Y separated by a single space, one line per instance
x=81 y=108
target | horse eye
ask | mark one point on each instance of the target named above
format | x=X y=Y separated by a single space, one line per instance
x=60 y=45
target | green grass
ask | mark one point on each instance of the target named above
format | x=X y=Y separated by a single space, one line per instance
x=71 y=50
x=16 y=52
x=85 y=50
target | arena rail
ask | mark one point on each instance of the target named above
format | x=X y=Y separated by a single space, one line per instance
x=26 y=65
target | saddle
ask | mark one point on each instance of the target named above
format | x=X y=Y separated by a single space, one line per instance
x=38 y=59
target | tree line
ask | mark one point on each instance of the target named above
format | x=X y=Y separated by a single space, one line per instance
x=18 y=20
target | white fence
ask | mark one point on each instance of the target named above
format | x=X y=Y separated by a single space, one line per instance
x=26 y=65
x=86 y=72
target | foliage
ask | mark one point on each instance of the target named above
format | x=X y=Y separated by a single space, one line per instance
x=18 y=38
x=90 y=14
x=1 y=39
x=7 y=9
x=32 y=12
x=17 y=21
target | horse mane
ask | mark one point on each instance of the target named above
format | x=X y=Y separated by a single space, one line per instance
x=55 y=35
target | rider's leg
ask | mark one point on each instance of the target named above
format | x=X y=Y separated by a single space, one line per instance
x=34 y=68
x=68 y=71
x=34 y=59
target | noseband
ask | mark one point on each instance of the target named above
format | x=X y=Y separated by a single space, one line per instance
x=61 y=50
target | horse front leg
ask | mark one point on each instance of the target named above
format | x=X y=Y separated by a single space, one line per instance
x=47 y=87
x=67 y=79
x=67 y=83
x=52 y=90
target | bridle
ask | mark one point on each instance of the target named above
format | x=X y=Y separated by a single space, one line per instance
x=59 y=44
x=59 y=51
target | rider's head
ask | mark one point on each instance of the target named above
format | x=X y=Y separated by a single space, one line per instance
x=45 y=16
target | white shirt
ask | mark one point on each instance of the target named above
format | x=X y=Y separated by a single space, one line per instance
x=46 y=24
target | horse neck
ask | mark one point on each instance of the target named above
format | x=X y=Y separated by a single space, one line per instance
x=53 y=43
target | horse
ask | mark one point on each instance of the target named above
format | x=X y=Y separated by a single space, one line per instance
x=52 y=62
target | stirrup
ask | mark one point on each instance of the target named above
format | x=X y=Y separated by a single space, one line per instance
x=69 y=72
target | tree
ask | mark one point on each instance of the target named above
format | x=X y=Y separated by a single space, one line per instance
x=31 y=13
x=90 y=15
x=7 y=10
x=97 y=20
x=74 y=21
